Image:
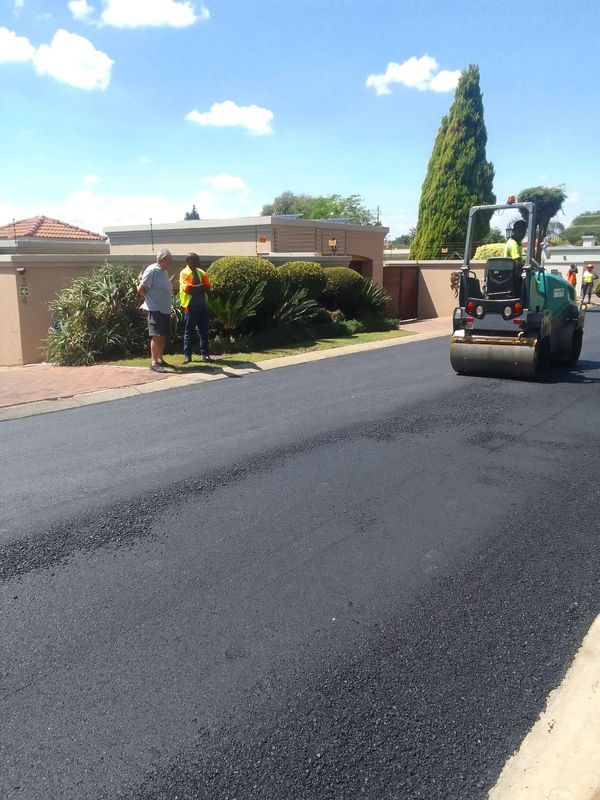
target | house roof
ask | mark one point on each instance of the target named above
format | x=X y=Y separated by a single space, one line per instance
x=47 y=228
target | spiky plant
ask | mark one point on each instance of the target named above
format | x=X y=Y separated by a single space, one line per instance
x=295 y=305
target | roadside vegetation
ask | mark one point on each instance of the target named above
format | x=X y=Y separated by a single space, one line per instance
x=254 y=307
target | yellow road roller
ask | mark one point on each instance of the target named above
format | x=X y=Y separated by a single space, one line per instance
x=519 y=319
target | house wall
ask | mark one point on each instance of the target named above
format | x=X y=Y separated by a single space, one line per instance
x=436 y=298
x=44 y=277
x=260 y=236
x=10 y=327
x=212 y=241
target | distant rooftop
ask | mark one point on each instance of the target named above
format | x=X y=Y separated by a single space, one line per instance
x=42 y=227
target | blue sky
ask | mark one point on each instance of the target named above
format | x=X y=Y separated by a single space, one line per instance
x=116 y=111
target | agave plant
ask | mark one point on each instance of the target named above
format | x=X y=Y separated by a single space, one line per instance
x=295 y=305
x=373 y=298
x=228 y=313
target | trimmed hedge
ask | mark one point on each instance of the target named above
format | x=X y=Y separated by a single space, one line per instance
x=485 y=251
x=304 y=275
x=342 y=290
x=232 y=275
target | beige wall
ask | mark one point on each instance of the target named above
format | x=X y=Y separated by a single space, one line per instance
x=436 y=298
x=233 y=240
x=259 y=236
x=24 y=322
x=10 y=328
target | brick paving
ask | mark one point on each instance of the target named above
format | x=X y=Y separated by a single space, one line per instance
x=46 y=382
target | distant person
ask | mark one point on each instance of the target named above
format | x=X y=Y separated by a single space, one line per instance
x=155 y=287
x=587 y=281
x=193 y=285
x=572 y=275
x=514 y=247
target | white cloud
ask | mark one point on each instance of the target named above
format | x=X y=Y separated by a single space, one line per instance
x=91 y=179
x=227 y=114
x=14 y=48
x=81 y=9
x=74 y=60
x=94 y=211
x=225 y=182
x=572 y=199
x=152 y=13
x=143 y=159
x=415 y=73
x=445 y=81
x=19 y=4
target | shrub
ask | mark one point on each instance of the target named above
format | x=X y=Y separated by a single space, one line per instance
x=295 y=305
x=230 y=343
x=227 y=314
x=96 y=317
x=377 y=322
x=353 y=326
x=305 y=275
x=373 y=298
x=342 y=290
x=485 y=251
x=232 y=275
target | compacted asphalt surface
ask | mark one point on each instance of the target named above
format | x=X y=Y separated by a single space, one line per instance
x=359 y=577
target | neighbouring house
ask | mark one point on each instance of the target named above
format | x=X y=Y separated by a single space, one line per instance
x=38 y=257
x=277 y=238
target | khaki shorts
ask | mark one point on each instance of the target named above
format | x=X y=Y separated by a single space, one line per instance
x=159 y=324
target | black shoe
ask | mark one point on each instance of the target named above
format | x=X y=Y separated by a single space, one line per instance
x=157 y=368
x=164 y=363
x=187 y=360
x=207 y=358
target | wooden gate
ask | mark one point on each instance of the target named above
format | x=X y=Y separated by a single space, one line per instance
x=402 y=284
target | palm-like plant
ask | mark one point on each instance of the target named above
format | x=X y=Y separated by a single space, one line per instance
x=96 y=316
x=229 y=312
x=295 y=306
x=373 y=298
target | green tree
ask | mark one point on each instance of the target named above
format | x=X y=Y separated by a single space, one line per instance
x=586 y=223
x=458 y=175
x=193 y=214
x=321 y=207
x=495 y=235
x=548 y=202
x=286 y=203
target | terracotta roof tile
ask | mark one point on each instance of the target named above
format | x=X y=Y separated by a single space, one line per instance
x=47 y=228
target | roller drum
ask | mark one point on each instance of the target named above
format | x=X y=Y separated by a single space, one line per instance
x=514 y=361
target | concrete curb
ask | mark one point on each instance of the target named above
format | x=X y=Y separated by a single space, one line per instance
x=178 y=380
x=559 y=759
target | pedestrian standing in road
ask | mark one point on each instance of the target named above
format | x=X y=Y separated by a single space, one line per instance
x=194 y=283
x=156 y=289
x=572 y=275
x=587 y=281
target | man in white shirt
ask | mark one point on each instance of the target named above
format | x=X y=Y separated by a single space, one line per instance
x=156 y=289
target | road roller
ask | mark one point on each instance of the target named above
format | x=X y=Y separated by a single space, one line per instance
x=520 y=318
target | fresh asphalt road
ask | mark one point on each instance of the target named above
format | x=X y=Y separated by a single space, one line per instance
x=353 y=578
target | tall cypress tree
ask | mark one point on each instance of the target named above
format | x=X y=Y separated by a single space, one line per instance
x=458 y=175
